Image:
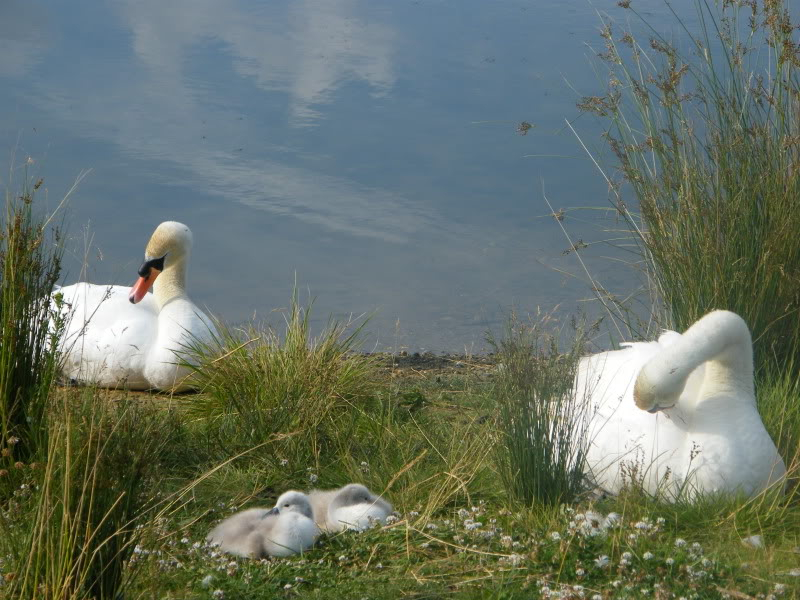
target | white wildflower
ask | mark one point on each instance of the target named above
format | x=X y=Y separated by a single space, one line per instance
x=506 y=540
x=391 y=519
x=206 y=581
x=463 y=513
x=312 y=478
x=680 y=543
x=473 y=525
x=602 y=561
x=647 y=555
x=580 y=572
x=218 y=594
x=284 y=462
x=754 y=541
x=555 y=536
x=670 y=561
x=611 y=520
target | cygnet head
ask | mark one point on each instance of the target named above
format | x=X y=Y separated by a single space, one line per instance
x=292 y=501
x=169 y=245
x=355 y=493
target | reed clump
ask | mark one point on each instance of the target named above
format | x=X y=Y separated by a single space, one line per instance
x=256 y=383
x=707 y=139
x=71 y=527
x=30 y=264
x=542 y=422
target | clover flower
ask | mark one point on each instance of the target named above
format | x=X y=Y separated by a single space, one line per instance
x=602 y=561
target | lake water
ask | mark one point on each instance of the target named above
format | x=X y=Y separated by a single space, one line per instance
x=366 y=149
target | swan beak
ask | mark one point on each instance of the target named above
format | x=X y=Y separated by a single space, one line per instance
x=655 y=409
x=142 y=286
x=273 y=511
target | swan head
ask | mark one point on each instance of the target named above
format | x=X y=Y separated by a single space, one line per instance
x=292 y=501
x=652 y=397
x=355 y=493
x=170 y=243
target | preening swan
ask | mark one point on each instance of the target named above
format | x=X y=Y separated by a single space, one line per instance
x=350 y=507
x=118 y=336
x=679 y=415
x=286 y=529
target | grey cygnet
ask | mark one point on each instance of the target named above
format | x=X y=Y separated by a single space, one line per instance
x=286 y=529
x=350 y=507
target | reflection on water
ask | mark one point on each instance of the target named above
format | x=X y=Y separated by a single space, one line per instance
x=367 y=149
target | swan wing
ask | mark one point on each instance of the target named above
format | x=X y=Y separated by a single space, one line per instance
x=106 y=338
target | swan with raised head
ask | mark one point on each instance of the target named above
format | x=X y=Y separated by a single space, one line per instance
x=288 y=528
x=353 y=506
x=126 y=337
x=678 y=415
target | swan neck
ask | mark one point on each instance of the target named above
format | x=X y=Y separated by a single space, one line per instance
x=721 y=342
x=171 y=283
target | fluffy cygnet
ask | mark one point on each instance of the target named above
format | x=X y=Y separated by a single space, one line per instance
x=350 y=507
x=286 y=529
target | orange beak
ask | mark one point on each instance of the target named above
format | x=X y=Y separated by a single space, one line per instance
x=142 y=286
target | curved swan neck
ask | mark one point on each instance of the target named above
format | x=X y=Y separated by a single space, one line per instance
x=721 y=341
x=171 y=283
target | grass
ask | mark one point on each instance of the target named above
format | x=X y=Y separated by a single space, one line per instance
x=30 y=264
x=542 y=424
x=72 y=530
x=706 y=141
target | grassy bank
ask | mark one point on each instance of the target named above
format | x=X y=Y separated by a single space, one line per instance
x=110 y=494
x=428 y=441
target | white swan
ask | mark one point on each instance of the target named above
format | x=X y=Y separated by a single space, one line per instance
x=679 y=415
x=117 y=336
x=286 y=529
x=350 y=507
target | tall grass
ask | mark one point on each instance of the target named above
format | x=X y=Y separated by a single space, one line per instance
x=542 y=422
x=708 y=141
x=30 y=264
x=255 y=383
x=74 y=530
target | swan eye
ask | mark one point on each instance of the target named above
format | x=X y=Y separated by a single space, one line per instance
x=286 y=505
x=154 y=263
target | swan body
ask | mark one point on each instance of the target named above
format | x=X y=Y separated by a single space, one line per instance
x=121 y=337
x=284 y=530
x=350 y=507
x=678 y=415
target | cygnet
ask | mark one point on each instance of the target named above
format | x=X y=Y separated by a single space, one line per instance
x=286 y=529
x=350 y=507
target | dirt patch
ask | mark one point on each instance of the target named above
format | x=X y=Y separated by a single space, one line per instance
x=428 y=363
